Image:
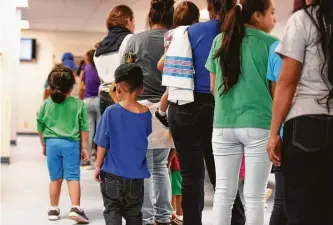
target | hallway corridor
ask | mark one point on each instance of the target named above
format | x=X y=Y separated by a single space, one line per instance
x=24 y=190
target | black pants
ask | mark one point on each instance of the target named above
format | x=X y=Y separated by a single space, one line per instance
x=278 y=216
x=191 y=126
x=307 y=163
x=105 y=101
x=122 y=198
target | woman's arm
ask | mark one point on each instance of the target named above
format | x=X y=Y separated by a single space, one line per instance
x=160 y=64
x=212 y=82
x=284 y=93
x=273 y=88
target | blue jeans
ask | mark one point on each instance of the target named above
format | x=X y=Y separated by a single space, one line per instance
x=229 y=146
x=157 y=188
x=94 y=115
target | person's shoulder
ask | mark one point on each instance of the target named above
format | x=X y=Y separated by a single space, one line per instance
x=139 y=36
x=274 y=46
x=267 y=38
x=202 y=25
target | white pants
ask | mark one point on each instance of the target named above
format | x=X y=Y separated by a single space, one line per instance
x=229 y=145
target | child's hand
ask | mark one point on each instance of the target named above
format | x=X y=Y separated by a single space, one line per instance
x=84 y=154
x=44 y=149
x=97 y=175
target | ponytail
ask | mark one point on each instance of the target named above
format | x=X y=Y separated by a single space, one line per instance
x=230 y=53
x=57 y=96
x=233 y=31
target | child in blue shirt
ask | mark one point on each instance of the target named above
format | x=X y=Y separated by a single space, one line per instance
x=122 y=140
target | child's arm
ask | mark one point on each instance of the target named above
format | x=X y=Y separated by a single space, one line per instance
x=99 y=162
x=84 y=131
x=42 y=142
x=84 y=145
x=102 y=140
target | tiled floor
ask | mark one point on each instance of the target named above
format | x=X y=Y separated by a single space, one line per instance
x=24 y=190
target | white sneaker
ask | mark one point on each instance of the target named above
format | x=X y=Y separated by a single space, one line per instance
x=54 y=214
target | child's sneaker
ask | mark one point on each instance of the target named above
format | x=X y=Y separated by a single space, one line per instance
x=78 y=215
x=53 y=214
x=162 y=119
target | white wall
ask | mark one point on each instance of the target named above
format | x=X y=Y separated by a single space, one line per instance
x=32 y=75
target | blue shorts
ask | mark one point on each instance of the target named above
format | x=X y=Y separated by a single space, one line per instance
x=63 y=159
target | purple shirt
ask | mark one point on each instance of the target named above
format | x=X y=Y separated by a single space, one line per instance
x=91 y=81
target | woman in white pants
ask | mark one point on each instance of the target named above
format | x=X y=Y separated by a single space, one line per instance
x=243 y=107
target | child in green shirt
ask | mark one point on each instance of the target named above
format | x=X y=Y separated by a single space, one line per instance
x=62 y=124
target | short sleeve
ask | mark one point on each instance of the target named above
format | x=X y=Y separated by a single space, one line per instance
x=102 y=138
x=274 y=64
x=83 y=118
x=293 y=42
x=40 y=116
x=211 y=61
x=168 y=38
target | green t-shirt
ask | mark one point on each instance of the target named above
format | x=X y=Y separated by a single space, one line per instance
x=65 y=120
x=249 y=103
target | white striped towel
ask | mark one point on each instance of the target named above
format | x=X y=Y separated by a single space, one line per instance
x=178 y=72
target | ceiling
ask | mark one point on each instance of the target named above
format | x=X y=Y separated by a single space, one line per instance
x=82 y=15
x=90 y=15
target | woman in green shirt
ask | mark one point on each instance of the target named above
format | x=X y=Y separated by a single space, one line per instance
x=243 y=103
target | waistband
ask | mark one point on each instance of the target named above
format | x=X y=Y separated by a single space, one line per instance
x=203 y=97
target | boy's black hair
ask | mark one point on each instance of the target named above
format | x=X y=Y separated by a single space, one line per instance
x=131 y=74
x=61 y=80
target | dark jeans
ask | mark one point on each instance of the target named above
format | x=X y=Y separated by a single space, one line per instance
x=307 y=163
x=122 y=198
x=278 y=216
x=105 y=101
x=191 y=126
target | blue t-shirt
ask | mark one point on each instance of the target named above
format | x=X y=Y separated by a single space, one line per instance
x=125 y=136
x=201 y=36
x=274 y=67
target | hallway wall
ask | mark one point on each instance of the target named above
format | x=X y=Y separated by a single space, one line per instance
x=32 y=75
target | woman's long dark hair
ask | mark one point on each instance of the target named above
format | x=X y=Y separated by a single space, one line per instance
x=226 y=6
x=322 y=18
x=233 y=30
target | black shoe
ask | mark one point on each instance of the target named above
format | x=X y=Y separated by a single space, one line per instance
x=162 y=119
x=157 y=223
x=54 y=214
x=78 y=216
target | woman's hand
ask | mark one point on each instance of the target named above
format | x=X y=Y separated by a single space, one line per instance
x=274 y=150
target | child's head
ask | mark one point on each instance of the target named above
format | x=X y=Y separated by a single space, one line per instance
x=61 y=81
x=89 y=57
x=129 y=81
x=186 y=13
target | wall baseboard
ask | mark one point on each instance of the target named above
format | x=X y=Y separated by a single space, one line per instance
x=5 y=160
x=27 y=134
x=13 y=142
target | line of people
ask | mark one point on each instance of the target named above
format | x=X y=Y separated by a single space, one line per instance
x=239 y=72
